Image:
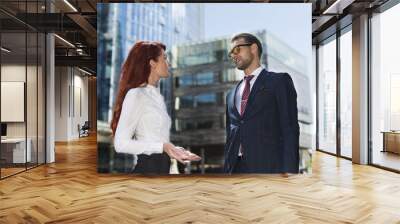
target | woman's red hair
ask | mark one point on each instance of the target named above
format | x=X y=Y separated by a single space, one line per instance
x=135 y=72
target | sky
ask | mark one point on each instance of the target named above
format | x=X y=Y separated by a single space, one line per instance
x=290 y=22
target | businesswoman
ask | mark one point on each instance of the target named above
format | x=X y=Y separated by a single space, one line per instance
x=140 y=123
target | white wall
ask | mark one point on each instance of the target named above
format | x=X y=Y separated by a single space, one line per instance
x=16 y=73
x=33 y=126
x=71 y=94
x=61 y=103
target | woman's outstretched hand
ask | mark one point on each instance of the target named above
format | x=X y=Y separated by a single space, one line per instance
x=188 y=154
x=180 y=153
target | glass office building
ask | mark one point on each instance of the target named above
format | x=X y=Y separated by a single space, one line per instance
x=121 y=25
x=203 y=75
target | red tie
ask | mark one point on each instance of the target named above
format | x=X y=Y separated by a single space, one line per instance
x=246 y=93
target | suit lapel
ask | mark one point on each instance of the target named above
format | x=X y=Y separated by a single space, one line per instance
x=257 y=85
x=232 y=100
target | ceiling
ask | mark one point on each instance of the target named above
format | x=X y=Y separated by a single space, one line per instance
x=328 y=16
x=76 y=22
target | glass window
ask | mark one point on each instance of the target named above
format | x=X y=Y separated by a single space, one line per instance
x=193 y=124
x=346 y=94
x=185 y=80
x=186 y=125
x=186 y=102
x=206 y=99
x=15 y=148
x=32 y=101
x=204 y=78
x=197 y=59
x=327 y=96
x=385 y=87
x=207 y=124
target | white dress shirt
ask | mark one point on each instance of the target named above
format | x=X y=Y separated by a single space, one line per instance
x=240 y=89
x=144 y=124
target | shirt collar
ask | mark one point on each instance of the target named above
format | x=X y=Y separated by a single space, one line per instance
x=256 y=72
x=152 y=88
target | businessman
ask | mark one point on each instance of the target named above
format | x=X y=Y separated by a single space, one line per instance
x=262 y=130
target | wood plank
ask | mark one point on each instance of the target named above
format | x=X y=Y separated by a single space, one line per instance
x=71 y=191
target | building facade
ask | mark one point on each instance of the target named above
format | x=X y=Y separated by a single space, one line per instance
x=121 y=25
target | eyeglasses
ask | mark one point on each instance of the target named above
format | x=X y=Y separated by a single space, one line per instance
x=236 y=49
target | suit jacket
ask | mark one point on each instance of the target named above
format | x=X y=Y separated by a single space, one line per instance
x=268 y=130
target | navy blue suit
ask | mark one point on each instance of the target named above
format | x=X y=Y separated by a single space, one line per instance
x=268 y=130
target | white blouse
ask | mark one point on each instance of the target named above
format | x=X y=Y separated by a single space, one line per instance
x=144 y=124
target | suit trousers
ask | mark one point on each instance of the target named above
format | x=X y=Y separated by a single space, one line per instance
x=240 y=166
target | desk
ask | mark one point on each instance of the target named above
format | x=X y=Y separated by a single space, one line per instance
x=15 y=148
x=391 y=141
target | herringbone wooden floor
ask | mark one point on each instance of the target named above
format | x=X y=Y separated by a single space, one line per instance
x=71 y=191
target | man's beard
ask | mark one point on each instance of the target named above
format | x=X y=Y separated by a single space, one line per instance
x=243 y=65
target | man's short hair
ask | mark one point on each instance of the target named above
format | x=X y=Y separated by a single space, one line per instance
x=251 y=39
